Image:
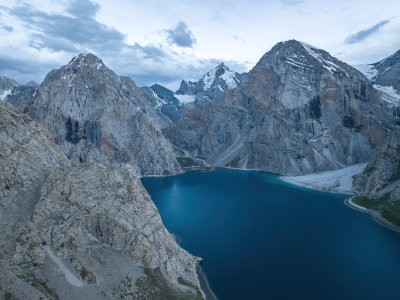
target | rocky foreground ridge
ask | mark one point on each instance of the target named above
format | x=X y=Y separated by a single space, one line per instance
x=80 y=232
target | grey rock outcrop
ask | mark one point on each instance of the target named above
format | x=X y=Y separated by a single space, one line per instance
x=22 y=97
x=94 y=114
x=6 y=86
x=80 y=232
x=212 y=85
x=298 y=111
x=385 y=77
x=167 y=107
x=383 y=169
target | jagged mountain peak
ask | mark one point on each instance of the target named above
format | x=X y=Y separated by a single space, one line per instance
x=186 y=88
x=81 y=69
x=85 y=62
x=294 y=56
x=220 y=72
x=85 y=59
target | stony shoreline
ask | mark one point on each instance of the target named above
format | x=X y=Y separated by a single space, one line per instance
x=374 y=215
x=204 y=284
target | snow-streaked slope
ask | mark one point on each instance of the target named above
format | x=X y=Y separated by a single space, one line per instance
x=230 y=79
x=332 y=181
x=368 y=70
x=318 y=55
x=388 y=94
x=209 y=78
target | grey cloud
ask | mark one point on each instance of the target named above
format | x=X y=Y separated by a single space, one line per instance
x=83 y=8
x=56 y=44
x=8 y=28
x=292 y=2
x=24 y=70
x=363 y=34
x=80 y=28
x=181 y=35
x=150 y=51
x=77 y=30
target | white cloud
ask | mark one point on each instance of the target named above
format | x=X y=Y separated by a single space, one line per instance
x=130 y=35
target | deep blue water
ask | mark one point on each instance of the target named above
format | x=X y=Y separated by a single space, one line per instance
x=264 y=239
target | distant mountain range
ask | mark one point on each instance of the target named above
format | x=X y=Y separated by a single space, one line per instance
x=213 y=84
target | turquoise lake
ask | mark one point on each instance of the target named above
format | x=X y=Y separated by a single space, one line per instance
x=261 y=238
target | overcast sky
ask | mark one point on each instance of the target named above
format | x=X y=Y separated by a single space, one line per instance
x=168 y=40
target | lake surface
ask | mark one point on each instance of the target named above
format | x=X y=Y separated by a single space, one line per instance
x=261 y=238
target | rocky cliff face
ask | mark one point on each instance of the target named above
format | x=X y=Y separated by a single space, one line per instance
x=212 y=85
x=298 y=111
x=89 y=231
x=383 y=169
x=93 y=114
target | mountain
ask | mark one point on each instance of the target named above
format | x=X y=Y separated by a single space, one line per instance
x=6 y=86
x=212 y=85
x=80 y=232
x=94 y=114
x=163 y=101
x=385 y=77
x=298 y=111
x=379 y=185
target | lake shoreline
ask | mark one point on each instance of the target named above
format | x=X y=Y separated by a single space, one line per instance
x=312 y=187
x=205 y=287
x=373 y=213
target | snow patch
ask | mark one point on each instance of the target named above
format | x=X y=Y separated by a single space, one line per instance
x=368 y=70
x=98 y=65
x=185 y=98
x=333 y=181
x=230 y=79
x=5 y=93
x=71 y=278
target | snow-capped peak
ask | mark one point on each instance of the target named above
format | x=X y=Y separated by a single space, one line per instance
x=223 y=72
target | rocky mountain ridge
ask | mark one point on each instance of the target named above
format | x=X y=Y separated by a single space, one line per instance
x=94 y=114
x=298 y=111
